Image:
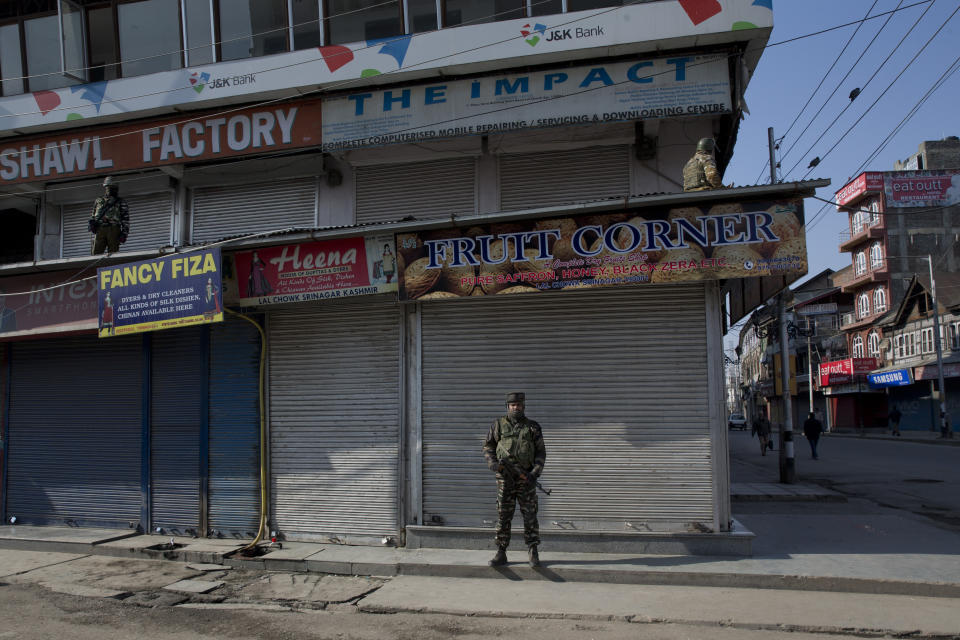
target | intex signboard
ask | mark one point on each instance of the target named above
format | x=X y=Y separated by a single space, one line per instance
x=174 y=291
x=843 y=371
x=655 y=245
x=312 y=271
x=42 y=303
x=627 y=90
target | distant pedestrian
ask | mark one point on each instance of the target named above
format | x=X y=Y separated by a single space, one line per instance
x=894 y=420
x=812 y=428
x=761 y=427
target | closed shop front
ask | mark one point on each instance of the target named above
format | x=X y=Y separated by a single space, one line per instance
x=616 y=377
x=335 y=420
x=76 y=423
x=434 y=189
x=252 y=207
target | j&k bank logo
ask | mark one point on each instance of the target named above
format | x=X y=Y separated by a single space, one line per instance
x=199 y=80
x=536 y=33
x=530 y=33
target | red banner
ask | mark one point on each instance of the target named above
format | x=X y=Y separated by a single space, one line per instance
x=843 y=371
x=314 y=271
x=29 y=306
x=865 y=182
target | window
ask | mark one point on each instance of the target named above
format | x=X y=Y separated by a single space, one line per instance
x=43 y=60
x=860 y=263
x=11 y=60
x=873 y=345
x=879 y=300
x=898 y=347
x=546 y=7
x=149 y=36
x=874 y=212
x=926 y=340
x=477 y=11
x=199 y=23
x=858 y=347
x=361 y=20
x=876 y=255
x=955 y=335
x=306 y=23
x=422 y=15
x=863 y=306
x=251 y=29
x=857 y=222
x=580 y=5
x=909 y=345
x=104 y=52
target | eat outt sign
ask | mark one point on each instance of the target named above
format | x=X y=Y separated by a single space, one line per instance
x=186 y=138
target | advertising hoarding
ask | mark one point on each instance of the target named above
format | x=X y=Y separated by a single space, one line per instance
x=312 y=271
x=868 y=181
x=896 y=378
x=174 y=291
x=930 y=371
x=922 y=188
x=654 y=245
x=41 y=303
x=843 y=371
x=612 y=92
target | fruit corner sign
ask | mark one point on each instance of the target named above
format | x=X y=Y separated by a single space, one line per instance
x=655 y=245
x=175 y=291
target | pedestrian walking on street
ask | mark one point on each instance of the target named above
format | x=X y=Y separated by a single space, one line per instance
x=894 y=420
x=514 y=450
x=761 y=427
x=812 y=428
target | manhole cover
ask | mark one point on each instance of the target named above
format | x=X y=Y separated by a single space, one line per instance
x=923 y=480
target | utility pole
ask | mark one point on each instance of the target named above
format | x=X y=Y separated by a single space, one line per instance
x=946 y=429
x=771 y=144
x=809 y=366
x=788 y=467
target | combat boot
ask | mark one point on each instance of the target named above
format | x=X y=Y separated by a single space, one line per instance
x=534 y=557
x=500 y=558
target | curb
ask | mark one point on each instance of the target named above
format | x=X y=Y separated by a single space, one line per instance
x=515 y=572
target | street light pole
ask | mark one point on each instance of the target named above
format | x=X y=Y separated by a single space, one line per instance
x=946 y=430
x=788 y=467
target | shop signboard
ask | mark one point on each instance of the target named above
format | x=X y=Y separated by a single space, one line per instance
x=312 y=271
x=930 y=371
x=187 y=138
x=174 y=291
x=843 y=371
x=54 y=302
x=895 y=378
x=866 y=182
x=661 y=245
x=636 y=89
x=826 y=308
x=922 y=188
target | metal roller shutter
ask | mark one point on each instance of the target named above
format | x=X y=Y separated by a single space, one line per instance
x=435 y=189
x=177 y=382
x=334 y=419
x=618 y=381
x=234 y=482
x=224 y=211
x=76 y=412
x=560 y=177
x=151 y=218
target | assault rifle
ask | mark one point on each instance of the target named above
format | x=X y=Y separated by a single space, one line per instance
x=517 y=472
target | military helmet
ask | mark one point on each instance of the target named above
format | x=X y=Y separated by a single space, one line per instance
x=705 y=144
x=515 y=396
x=108 y=182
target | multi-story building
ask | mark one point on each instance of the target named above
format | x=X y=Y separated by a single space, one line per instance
x=898 y=220
x=375 y=176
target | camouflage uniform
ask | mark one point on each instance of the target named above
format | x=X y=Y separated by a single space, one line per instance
x=700 y=173
x=110 y=221
x=527 y=452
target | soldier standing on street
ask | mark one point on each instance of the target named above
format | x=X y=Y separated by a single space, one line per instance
x=700 y=173
x=516 y=441
x=110 y=221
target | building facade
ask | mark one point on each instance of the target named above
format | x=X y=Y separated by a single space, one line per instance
x=333 y=157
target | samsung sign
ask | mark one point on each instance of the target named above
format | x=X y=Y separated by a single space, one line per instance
x=896 y=378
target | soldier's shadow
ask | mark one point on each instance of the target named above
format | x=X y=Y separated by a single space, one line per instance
x=544 y=572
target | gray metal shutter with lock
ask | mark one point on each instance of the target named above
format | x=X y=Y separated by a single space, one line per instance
x=616 y=378
x=547 y=178
x=435 y=189
x=151 y=218
x=335 y=416
x=219 y=212
x=75 y=425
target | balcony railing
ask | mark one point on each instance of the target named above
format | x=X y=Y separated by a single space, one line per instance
x=876 y=271
x=870 y=229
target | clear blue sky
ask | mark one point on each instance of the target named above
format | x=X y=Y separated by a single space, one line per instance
x=788 y=74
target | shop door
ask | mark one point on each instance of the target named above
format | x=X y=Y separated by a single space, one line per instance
x=75 y=425
x=234 y=458
x=618 y=380
x=177 y=387
x=334 y=417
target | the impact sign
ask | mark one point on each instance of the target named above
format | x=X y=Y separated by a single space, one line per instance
x=174 y=291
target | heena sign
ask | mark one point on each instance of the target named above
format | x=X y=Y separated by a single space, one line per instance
x=188 y=138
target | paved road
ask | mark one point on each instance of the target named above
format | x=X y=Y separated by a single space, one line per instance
x=915 y=477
